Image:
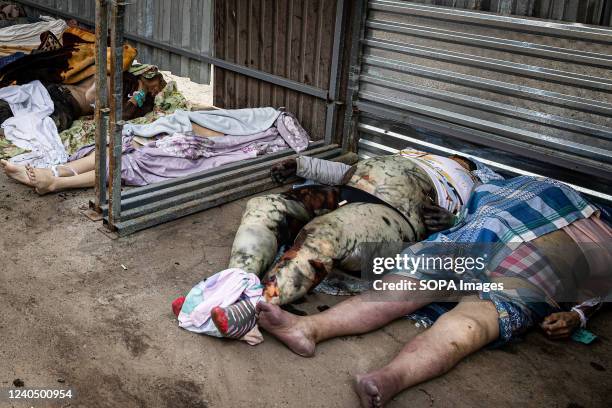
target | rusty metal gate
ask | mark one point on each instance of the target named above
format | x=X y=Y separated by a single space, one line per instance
x=524 y=95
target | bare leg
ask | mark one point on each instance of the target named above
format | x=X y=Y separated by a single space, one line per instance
x=83 y=165
x=16 y=172
x=44 y=182
x=465 y=329
x=360 y=314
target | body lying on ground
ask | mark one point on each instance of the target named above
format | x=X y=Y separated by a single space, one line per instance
x=553 y=245
x=71 y=102
x=396 y=198
x=176 y=144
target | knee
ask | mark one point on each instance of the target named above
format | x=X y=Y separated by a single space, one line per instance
x=465 y=333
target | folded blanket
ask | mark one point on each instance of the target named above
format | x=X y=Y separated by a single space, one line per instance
x=26 y=37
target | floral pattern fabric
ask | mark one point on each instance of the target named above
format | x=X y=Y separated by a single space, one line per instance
x=83 y=130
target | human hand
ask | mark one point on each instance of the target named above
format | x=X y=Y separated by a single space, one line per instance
x=560 y=325
x=284 y=170
x=437 y=218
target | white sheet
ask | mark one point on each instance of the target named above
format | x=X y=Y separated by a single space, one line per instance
x=28 y=35
x=235 y=122
x=31 y=127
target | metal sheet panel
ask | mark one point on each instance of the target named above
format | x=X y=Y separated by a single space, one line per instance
x=535 y=95
x=179 y=26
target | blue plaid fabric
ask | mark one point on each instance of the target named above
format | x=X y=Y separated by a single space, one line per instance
x=516 y=210
x=501 y=212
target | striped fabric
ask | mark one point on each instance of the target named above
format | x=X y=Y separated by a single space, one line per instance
x=235 y=321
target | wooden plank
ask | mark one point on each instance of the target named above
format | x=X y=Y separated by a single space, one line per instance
x=175 y=34
x=254 y=49
x=207 y=35
x=267 y=34
x=219 y=42
x=242 y=46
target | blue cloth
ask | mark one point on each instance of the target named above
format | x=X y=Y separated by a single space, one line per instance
x=500 y=212
x=514 y=210
x=10 y=58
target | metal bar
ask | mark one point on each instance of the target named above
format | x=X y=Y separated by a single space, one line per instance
x=491 y=64
x=101 y=111
x=494 y=43
x=207 y=58
x=564 y=30
x=116 y=115
x=352 y=89
x=485 y=105
x=230 y=66
x=184 y=194
x=128 y=227
x=539 y=153
x=505 y=88
x=206 y=201
x=334 y=80
x=313 y=149
x=492 y=127
x=444 y=151
x=146 y=195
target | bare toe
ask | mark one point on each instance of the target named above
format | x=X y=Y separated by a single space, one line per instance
x=287 y=328
x=368 y=392
x=16 y=172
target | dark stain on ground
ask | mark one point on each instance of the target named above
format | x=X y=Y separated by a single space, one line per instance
x=18 y=382
x=182 y=394
x=130 y=331
x=135 y=343
x=597 y=366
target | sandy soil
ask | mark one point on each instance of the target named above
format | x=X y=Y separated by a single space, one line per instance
x=197 y=94
x=72 y=317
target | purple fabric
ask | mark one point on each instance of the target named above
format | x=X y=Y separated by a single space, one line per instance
x=179 y=155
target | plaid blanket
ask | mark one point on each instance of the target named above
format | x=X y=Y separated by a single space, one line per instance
x=499 y=216
x=516 y=210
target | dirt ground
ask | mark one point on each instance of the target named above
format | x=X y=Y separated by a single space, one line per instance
x=72 y=317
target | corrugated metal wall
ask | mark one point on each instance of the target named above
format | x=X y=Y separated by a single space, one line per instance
x=180 y=24
x=289 y=38
x=532 y=90
x=578 y=11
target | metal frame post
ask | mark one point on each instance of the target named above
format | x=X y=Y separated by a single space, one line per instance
x=352 y=89
x=335 y=71
x=101 y=110
x=116 y=112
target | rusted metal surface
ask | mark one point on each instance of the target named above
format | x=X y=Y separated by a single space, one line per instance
x=101 y=111
x=116 y=111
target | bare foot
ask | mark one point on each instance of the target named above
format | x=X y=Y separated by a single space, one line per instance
x=42 y=180
x=286 y=328
x=368 y=391
x=17 y=173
